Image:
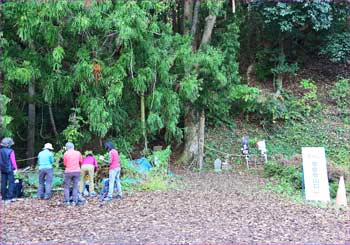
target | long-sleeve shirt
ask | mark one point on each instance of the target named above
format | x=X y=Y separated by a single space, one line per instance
x=90 y=160
x=13 y=160
x=72 y=160
x=114 y=159
x=45 y=159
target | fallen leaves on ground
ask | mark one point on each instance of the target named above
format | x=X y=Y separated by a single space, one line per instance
x=207 y=208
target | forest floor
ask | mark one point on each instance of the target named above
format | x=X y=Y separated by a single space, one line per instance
x=216 y=208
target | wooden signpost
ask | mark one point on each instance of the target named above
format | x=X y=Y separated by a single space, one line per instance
x=315 y=174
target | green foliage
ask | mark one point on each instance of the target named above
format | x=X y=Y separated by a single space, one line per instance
x=101 y=58
x=284 y=15
x=31 y=180
x=288 y=17
x=128 y=169
x=263 y=64
x=338 y=47
x=214 y=7
x=58 y=158
x=282 y=67
x=5 y=119
x=316 y=131
x=155 y=183
x=309 y=102
x=271 y=108
x=73 y=131
x=289 y=178
x=272 y=169
x=340 y=94
x=160 y=160
x=57 y=54
x=333 y=188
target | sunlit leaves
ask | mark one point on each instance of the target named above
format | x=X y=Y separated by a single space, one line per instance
x=23 y=73
x=98 y=115
x=58 y=54
x=244 y=92
x=81 y=23
x=114 y=93
x=83 y=71
x=215 y=7
x=320 y=14
x=190 y=86
x=154 y=122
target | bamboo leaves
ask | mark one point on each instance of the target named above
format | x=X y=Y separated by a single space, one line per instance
x=57 y=54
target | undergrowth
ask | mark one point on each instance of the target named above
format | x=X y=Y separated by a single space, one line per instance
x=322 y=126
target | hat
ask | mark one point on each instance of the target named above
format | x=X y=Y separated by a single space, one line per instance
x=69 y=145
x=7 y=142
x=48 y=146
x=109 y=145
x=86 y=153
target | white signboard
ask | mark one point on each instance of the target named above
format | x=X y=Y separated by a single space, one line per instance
x=315 y=174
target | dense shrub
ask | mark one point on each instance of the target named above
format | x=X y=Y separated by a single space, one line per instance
x=290 y=177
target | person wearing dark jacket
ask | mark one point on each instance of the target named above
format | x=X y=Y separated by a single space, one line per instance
x=8 y=169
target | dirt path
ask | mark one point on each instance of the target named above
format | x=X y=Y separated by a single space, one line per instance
x=210 y=208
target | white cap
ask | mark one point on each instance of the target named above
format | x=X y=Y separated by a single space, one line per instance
x=48 y=146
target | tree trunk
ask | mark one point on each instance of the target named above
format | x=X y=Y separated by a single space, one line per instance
x=31 y=123
x=174 y=18
x=249 y=73
x=279 y=84
x=143 y=121
x=188 y=13
x=52 y=119
x=194 y=127
x=190 y=154
x=201 y=140
x=208 y=29
x=194 y=24
x=281 y=61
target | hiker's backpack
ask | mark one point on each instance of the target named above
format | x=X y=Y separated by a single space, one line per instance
x=5 y=161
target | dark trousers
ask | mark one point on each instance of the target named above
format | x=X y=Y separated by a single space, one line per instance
x=7 y=185
x=45 y=181
x=68 y=178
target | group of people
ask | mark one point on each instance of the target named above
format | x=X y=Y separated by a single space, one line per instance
x=76 y=166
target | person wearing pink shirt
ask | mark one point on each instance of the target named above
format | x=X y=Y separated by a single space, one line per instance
x=88 y=168
x=114 y=171
x=8 y=169
x=72 y=160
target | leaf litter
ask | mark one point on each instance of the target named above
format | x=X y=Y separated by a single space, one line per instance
x=215 y=208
